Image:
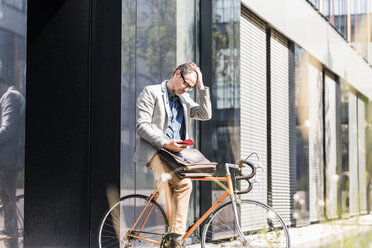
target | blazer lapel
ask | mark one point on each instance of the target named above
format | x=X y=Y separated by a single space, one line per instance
x=166 y=100
x=186 y=116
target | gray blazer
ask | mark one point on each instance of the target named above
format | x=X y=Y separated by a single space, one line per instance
x=152 y=117
x=12 y=128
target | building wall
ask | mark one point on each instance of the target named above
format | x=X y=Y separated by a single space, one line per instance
x=315 y=59
x=332 y=182
x=299 y=22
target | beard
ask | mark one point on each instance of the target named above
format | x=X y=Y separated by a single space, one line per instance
x=179 y=92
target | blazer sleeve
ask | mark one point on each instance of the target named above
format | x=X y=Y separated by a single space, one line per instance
x=144 y=127
x=10 y=117
x=203 y=110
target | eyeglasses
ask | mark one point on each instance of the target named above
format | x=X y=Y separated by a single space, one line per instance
x=187 y=85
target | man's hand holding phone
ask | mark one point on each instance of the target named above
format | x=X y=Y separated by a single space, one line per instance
x=188 y=142
x=174 y=146
x=177 y=145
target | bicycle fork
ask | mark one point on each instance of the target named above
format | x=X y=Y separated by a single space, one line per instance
x=235 y=208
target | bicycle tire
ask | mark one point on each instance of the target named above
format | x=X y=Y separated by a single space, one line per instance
x=119 y=219
x=19 y=200
x=265 y=229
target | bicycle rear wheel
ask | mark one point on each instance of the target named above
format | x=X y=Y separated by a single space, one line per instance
x=18 y=207
x=264 y=229
x=115 y=228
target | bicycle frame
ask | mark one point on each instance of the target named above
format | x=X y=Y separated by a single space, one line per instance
x=155 y=196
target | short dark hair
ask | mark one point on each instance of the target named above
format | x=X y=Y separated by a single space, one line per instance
x=187 y=68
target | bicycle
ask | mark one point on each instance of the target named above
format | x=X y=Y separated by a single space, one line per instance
x=17 y=203
x=139 y=220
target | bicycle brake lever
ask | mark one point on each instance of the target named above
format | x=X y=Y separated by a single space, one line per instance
x=255 y=180
x=259 y=166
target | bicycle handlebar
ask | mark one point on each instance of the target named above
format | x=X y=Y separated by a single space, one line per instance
x=240 y=170
x=239 y=167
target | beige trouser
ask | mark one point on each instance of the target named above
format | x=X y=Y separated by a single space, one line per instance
x=177 y=192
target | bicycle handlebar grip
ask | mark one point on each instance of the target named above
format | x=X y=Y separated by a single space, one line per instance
x=250 y=186
x=240 y=172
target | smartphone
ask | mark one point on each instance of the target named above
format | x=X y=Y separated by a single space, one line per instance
x=187 y=142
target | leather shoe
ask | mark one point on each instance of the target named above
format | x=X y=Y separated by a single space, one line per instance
x=176 y=241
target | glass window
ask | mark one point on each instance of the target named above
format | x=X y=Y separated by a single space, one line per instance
x=309 y=197
x=359 y=26
x=337 y=12
x=315 y=3
x=369 y=156
x=353 y=153
x=224 y=128
x=328 y=10
x=331 y=134
x=225 y=84
x=344 y=180
x=340 y=16
x=301 y=197
x=156 y=37
x=12 y=119
x=362 y=155
x=17 y=4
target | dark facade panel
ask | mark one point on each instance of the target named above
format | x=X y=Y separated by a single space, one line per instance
x=206 y=68
x=73 y=120
x=57 y=125
x=105 y=110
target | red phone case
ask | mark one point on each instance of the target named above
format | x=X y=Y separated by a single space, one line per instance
x=188 y=142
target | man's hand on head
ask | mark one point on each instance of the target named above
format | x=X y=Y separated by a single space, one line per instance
x=199 y=81
x=174 y=146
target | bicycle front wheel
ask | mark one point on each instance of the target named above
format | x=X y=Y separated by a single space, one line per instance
x=260 y=225
x=118 y=227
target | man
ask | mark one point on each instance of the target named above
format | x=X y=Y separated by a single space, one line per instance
x=12 y=112
x=162 y=121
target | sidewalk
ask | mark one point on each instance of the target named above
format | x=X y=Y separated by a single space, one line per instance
x=355 y=232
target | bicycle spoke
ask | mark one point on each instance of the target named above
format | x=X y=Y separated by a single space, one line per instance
x=112 y=243
x=114 y=216
x=262 y=227
x=124 y=215
x=17 y=205
x=109 y=232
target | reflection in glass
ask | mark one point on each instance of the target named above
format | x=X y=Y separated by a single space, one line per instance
x=340 y=17
x=369 y=156
x=359 y=26
x=301 y=197
x=316 y=3
x=309 y=197
x=157 y=36
x=148 y=57
x=225 y=85
x=225 y=124
x=344 y=181
x=349 y=14
x=353 y=153
x=361 y=126
x=316 y=141
x=331 y=124
x=128 y=98
x=12 y=120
